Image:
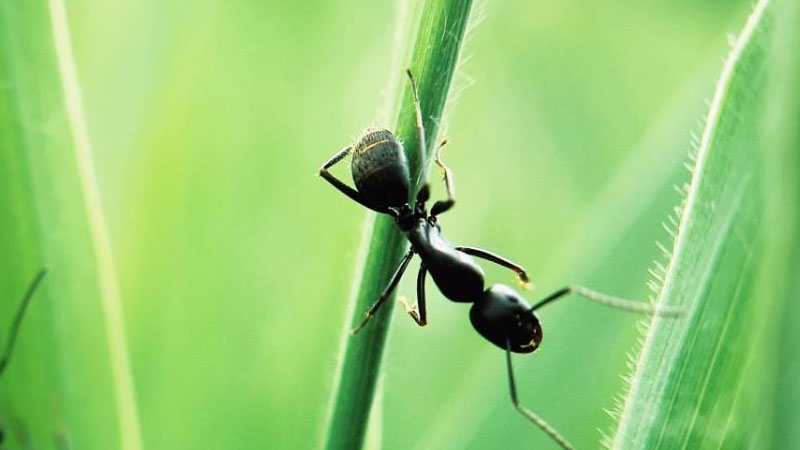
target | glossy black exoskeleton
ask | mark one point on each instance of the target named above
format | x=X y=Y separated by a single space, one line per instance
x=498 y=313
x=15 y=323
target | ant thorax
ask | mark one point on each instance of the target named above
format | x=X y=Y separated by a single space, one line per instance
x=456 y=275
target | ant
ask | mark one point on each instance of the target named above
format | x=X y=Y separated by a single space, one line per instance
x=15 y=324
x=502 y=316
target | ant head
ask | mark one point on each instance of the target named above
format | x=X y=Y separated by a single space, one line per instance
x=404 y=217
x=502 y=316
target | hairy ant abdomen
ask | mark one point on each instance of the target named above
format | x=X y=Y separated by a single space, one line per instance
x=380 y=169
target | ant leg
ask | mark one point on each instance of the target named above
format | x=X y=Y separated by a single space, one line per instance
x=420 y=127
x=608 y=300
x=23 y=306
x=398 y=274
x=443 y=205
x=417 y=311
x=525 y=411
x=522 y=276
x=344 y=188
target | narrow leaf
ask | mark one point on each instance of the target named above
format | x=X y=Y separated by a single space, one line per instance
x=692 y=386
x=438 y=41
x=74 y=347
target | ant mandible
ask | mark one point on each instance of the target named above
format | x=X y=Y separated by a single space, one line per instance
x=15 y=323
x=381 y=174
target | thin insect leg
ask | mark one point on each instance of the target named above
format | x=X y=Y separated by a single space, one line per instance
x=344 y=188
x=525 y=411
x=340 y=155
x=417 y=311
x=398 y=274
x=23 y=306
x=608 y=300
x=443 y=205
x=522 y=276
x=420 y=126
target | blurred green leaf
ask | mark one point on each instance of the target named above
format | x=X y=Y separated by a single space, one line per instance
x=781 y=273
x=693 y=385
x=70 y=377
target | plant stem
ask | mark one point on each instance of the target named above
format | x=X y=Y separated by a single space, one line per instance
x=439 y=37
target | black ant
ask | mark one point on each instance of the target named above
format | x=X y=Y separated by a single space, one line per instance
x=502 y=316
x=16 y=322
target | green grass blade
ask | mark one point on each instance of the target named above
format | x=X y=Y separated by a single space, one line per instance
x=78 y=351
x=693 y=385
x=781 y=274
x=434 y=60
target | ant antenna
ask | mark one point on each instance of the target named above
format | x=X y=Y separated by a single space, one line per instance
x=446 y=174
x=443 y=205
x=23 y=306
x=439 y=154
x=420 y=127
x=608 y=300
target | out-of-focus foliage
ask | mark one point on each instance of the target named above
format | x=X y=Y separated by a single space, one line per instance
x=68 y=383
x=208 y=120
x=781 y=279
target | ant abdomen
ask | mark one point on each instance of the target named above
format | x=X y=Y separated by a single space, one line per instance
x=380 y=169
x=505 y=319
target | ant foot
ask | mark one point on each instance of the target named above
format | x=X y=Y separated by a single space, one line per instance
x=524 y=281
x=412 y=311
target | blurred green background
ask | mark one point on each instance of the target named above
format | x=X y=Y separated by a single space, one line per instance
x=568 y=129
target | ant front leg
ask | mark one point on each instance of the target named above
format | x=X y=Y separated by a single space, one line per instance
x=522 y=276
x=563 y=443
x=443 y=205
x=344 y=188
x=417 y=311
x=398 y=274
